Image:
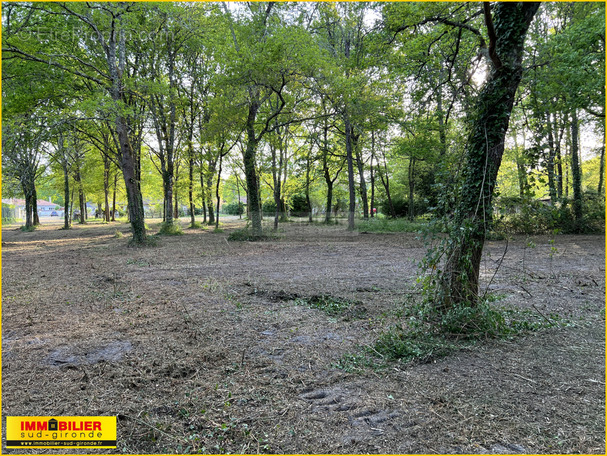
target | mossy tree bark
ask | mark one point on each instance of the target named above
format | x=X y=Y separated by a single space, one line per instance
x=459 y=281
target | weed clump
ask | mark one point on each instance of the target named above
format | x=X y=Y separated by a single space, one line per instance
x=173 y=229
x=431 y=332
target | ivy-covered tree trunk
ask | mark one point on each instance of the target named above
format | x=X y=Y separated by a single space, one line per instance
x=458 y=282
x=251 y=172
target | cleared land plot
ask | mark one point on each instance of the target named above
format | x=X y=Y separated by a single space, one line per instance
x=200 y=344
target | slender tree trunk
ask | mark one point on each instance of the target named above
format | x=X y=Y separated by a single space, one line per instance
x=67 y=223
x=550 y=161
x=385 y=180
x=191 y=182
x=36 y=217
x=350 y=162
x=411 y=188
x=217 y=190
x=308 y=202
x=239 y=203
x=602 y=167
x=71 y=211
x=204 y=196
x=276 y=174
x=576 y=172
x=559 y=160
x=361 y=175
x=114 y=198
x=106 y=188
x=372 y=208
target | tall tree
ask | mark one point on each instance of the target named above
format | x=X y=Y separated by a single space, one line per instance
x=507 y=25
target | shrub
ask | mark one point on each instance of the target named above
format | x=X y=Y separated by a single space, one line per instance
x=401 y=207
x=235 y=208
x=269 y=208
x=299 y=206
x=529 y=216
x=173 y=229
x=9 y=213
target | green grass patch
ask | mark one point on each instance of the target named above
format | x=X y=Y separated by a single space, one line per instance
x=28 y=229
x=387 y=225
x=331 y=305
x=173 y=229
x=118 y=234
x=195 y=225
x=430 y=333
x=358 y=362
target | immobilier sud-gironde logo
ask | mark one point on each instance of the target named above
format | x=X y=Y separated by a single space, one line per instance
x=61 y=432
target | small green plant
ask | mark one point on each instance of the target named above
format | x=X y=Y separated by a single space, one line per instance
x=141 y=262
x=28 y=229
x=357 y=362
x=330 y=305
x=195 y=225
x=173 y=229
x=118 y=234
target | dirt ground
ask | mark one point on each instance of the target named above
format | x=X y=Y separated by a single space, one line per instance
x=202 y=345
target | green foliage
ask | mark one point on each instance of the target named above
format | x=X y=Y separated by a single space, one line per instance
x=173 y=229
x=385 y=225
x=401 y=207
x=328 y=304
x=269 y=208
x=299 y=206
x=357 y=362
x=234 y=208
x=529 y=216
x=28 y=229
x=9 y=214
x=430 y=332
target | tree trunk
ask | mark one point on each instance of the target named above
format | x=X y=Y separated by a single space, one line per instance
x=602 y=167
x=36 y=217
x=459 y=280
x=372 y=208
x=217 y=190
x=67 y=223
x=576 y=172
x=411 y=188
x=350 y=161
x=308 y=202
x=550 y=161
x=106 y=188
x=251 y=173
x=361 y=175
x=191 y=182
x=114 y=198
